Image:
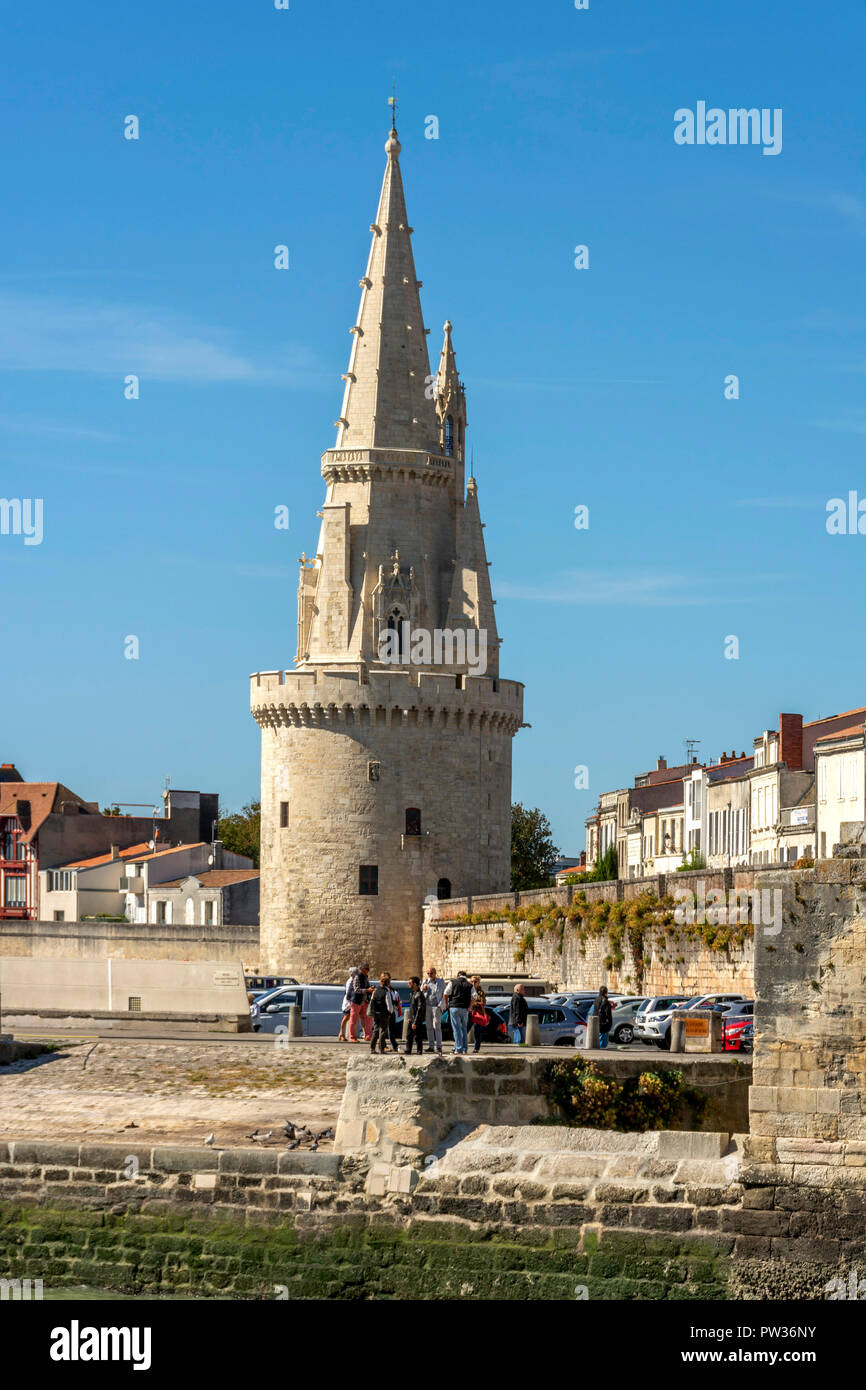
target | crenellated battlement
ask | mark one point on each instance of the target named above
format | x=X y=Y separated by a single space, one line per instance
x=323 y=699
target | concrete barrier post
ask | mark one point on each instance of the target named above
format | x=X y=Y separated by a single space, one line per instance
x=678 y=1034
x=295 y=1025
x=533 y=1034
x=405 y=1027
x=593 y=1032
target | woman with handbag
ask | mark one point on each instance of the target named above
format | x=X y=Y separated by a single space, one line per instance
x=478 y=1015
x=381 y=1007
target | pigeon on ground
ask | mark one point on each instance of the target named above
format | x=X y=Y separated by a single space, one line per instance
x=314 y=1146
x=289 y=1130
x=209 y=1139
x=294 y=1144
x=260 y=1138
x=325 y=1134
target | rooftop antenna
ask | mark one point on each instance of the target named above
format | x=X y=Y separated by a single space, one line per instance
x=691 y=747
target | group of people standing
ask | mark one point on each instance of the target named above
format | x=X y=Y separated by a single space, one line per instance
x=377 y=1011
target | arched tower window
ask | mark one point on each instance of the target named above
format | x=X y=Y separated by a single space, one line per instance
x=449 y=435
x=443 y=888
x=413 y=820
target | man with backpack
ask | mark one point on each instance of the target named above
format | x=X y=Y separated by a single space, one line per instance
x=459 y=996
x=359 y=993
x=382 y=1007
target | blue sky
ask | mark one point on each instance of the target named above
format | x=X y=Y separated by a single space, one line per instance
x=602 y=387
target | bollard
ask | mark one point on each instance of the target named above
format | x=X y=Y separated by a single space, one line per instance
x=678 y=1034
x=295 y=1025
x=533 y=1036
x=593 y=1032
x=405 y=1029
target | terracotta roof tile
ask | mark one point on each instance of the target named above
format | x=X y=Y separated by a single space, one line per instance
x=212 y=878
x=44 y=798
x=841 y=733
x=132 y=852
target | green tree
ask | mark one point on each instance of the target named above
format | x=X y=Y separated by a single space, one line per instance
x=241 y=831
x=533 y=853
x=693 y=860
x=604 y=869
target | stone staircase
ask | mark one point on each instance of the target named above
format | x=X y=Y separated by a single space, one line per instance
x=665 y=1181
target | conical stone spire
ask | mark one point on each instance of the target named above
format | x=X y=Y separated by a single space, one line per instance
x=387 y=402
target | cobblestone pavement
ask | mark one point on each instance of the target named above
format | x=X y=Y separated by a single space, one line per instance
x=173 y=1092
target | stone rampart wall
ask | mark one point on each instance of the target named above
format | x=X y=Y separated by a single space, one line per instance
x=687 y=966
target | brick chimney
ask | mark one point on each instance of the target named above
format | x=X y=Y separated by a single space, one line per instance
x=662 y=764
x=791 y=740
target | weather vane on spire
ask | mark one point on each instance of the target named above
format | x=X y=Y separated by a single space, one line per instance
x=392 y=102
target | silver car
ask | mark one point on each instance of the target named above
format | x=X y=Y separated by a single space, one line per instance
x=622 y=1029
x=556 y=1022
x=321 y=1010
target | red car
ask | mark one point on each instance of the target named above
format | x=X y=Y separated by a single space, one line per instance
x=738 y=1027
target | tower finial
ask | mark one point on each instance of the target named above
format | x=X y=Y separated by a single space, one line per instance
x=392 y=144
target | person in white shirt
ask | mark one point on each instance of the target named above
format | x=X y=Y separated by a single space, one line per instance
x=434 y=994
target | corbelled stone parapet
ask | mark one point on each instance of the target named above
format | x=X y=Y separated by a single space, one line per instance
x=321 y=699
x=366 y=465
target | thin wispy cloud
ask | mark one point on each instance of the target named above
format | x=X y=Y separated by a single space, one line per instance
x=50 y=429
x=593 y=588
x=42 y=334
x=792 y=503
x=845 y=205
x=851 y=424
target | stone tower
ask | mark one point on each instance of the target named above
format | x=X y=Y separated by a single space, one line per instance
x=386 y=752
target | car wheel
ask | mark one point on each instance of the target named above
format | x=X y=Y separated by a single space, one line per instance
x=665 y=1043
x=624 y=1034
x=564 y=1042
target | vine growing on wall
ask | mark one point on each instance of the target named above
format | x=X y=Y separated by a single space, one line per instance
x=645 y=924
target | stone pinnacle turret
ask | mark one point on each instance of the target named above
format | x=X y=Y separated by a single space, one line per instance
x=386 y=403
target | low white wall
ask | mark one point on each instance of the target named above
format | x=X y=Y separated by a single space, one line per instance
x=163 y=986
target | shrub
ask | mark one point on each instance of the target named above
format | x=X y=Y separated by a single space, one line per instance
x=586 y=1098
